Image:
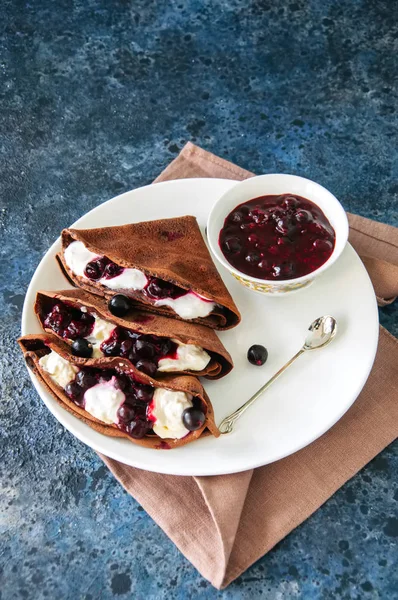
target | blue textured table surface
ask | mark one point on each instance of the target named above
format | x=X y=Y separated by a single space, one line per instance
x=96 y=98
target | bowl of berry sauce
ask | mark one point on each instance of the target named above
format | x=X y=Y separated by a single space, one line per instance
x=277 y=233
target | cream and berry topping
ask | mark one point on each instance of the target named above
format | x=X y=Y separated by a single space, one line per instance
x=95 y=337
x=187 y=357
x=116 y=398
x=102 y=331
x=88 y=265
x=277 y=237
x=166 y=409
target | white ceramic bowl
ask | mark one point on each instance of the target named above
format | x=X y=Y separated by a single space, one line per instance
x=269 y=185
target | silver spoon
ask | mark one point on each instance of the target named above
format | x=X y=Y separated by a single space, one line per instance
x=321 y=333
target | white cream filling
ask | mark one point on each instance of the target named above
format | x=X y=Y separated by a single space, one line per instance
x=129 y=279
x=167 y=407
x=103 y=400
x=59 y=369
x=102 y=331
x=77 y=256
x=189 y=306
x=189 y=358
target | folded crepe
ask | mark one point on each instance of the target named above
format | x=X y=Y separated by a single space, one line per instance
x=115 y=399
x=163 y=265
x=72 y=314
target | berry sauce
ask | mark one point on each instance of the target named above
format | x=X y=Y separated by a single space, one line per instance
x=277 y=237
x=68 y=322
x=133 y=416
x=143 y=350
x=156 y=289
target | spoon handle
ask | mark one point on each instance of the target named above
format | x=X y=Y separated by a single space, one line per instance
x=227 y=424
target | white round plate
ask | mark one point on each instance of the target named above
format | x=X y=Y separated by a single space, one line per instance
x=304 y=403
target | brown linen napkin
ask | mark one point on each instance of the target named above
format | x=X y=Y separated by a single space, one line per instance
x=240 y=517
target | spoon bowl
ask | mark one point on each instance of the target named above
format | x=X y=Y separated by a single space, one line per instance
x=321 y=333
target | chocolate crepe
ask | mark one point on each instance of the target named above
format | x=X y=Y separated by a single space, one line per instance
x=172 y=250
x=146 y=323
x=34 y=346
